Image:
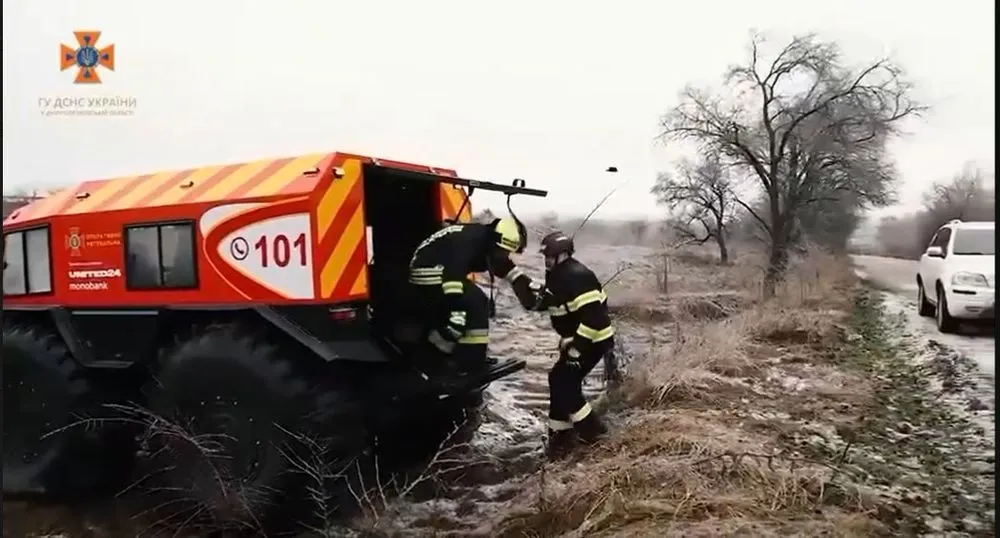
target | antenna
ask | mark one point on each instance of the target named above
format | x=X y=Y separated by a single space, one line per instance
x=610 y=170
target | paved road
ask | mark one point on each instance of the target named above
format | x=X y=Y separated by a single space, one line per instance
x=900 y=277
x=889 y=273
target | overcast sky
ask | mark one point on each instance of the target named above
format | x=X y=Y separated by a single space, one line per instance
x=552 y=91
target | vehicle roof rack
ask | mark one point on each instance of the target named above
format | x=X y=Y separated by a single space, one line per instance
x=517 y=187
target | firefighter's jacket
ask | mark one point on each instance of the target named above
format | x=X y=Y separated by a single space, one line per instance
x=447 y=257
x=575 y=300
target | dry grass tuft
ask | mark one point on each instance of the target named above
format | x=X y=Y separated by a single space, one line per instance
x=688 y=462
x=783 y=325
x=673 y=471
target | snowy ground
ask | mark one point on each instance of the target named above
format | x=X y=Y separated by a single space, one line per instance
x=963 y=365
x=899 y=278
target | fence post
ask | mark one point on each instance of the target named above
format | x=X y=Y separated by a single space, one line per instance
x=666 y=274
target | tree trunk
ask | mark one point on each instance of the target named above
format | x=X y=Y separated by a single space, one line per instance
x=777 y=261
x=720 y=239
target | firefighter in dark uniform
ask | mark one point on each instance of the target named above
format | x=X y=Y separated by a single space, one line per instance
x=576 y=302
x=455 y=310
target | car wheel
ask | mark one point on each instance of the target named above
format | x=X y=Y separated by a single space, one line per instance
x=945 y=323
x=924 y=307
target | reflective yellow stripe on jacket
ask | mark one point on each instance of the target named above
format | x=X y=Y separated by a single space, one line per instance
x=452 y=287
x=426 y=276
x=590 y=333
x=595 y=335
x=585 y=298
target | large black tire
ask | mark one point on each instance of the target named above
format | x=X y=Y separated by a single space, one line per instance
x=945 y=323
x=241 y=423
x=924 y=307
x=421 y=430
x=46 y=400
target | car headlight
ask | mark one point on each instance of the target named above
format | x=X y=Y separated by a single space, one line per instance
x=975 y=280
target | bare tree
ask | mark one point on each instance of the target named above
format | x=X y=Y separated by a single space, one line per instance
x=700 y=196
x=829 y=223
x=969 y=195
x=807 y=127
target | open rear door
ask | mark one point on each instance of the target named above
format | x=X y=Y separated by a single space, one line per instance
x=453 y=203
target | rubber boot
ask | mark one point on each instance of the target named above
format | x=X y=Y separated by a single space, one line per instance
x=559 y=444
x=590 y=429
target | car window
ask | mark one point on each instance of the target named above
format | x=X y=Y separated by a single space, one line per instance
x=974 y=242
x=27 y=250
x=178 y=256
x=36 y=245
x=161 y=256
x=942 y=238
x=933 y=240
x=143 y=263
x=13 y=264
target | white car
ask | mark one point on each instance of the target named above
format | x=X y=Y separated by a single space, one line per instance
x=955 y=280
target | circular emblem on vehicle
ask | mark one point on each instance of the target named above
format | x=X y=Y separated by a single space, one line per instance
x=74 y=241
x=87 y=56
x=239 y=249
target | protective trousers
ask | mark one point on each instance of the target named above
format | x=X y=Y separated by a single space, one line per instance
x=468 y=351
x=568 y=409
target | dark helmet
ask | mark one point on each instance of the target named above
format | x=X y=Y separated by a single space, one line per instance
x=556 y=243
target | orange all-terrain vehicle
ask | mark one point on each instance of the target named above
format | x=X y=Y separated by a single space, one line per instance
x=255 y=302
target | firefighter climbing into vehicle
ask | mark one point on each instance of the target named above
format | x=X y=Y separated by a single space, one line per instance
x=454 y=310
x=577 y=305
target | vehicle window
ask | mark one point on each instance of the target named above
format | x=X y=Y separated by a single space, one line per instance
x=942 y=239
x=160 y=256
x=142 y=261
x=177 y=247
x=14 y=278
x=26 y=266
x=36 y=258
x=974 y=243
x=933 y=241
